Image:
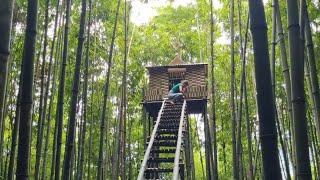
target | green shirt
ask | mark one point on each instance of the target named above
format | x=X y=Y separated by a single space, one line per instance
x=176 y=88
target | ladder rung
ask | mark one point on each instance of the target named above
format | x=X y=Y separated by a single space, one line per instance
x=168 y=126
x=164 y=151
x=161 y=160
x=165 y=143
x=167 y=131
x=175 y=117
x=164 y=121
x=159 y=170
x=161 y=137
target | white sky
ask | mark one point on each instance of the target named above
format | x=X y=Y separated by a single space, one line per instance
x=142 y=13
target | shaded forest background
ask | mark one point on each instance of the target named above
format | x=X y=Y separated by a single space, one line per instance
x=89 y=77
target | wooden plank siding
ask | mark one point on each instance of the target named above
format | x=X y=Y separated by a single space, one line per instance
x=159 y=77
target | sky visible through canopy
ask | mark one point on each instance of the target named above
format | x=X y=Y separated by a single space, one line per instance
x=142 y=12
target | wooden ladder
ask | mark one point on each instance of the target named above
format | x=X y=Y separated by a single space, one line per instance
x=163 y=158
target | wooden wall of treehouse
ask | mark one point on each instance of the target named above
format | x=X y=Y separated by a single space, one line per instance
x=160 y=76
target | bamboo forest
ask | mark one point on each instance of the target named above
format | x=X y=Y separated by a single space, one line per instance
x=159 y=89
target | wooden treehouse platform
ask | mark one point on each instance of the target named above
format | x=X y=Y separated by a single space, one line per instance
x=194 y=106
x=168 y=148
x=163 y=78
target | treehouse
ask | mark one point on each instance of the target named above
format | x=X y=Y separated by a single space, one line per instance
x=163 y=78
x=168 y=150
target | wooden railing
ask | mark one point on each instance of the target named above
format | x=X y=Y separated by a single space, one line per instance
x=193 y=92
x=196 y=92
x=154 y=95
x=176 y=168
x=146 y=155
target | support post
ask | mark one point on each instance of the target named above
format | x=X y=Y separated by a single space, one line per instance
x=208 y=152
x=144 y=123
x=187 y=149
x=193 y=174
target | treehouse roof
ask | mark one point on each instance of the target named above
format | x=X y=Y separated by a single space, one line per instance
x=176 y=63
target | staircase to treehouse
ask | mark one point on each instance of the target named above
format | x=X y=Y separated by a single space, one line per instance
x=164 y=156
x=169 y=150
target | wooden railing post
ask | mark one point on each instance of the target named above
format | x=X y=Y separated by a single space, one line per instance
x=179 y=141
x=146 y=156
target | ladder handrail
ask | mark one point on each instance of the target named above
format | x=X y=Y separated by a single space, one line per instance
x=146 y=155
x=178 y=149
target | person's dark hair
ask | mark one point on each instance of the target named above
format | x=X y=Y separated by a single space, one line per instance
x=185 y=82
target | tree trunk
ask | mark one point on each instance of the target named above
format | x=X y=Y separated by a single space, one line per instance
x=313 y=72
x=313 y=147
x=61 y=89
x=6 y=11
x=14 y=142
x=223 y=149
x=69 y=149
x=144 y=121
x=316 y=150
x=43 y=98
x=242 y=82
x=58 y=55
x=246 y=105
x=78 y=134
x=56 y=23
x=123 y=106
x=273 y=79
x=85 y=92
x=187 y=150
x=105 y=97
x=15 y=130
x=27 y=92
x=285 y=71
x=91 y=114
x=115 y=155
x=284 y=151
x=90 y=147
x=298 y=97
x=213 y=110
x=130 y=175
x=248 y=130
x=208 y=147
x=200 y=146
x=232 y=89
x=266 y=112
x=312 y=132
x=192 y=168
x=44 y=163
